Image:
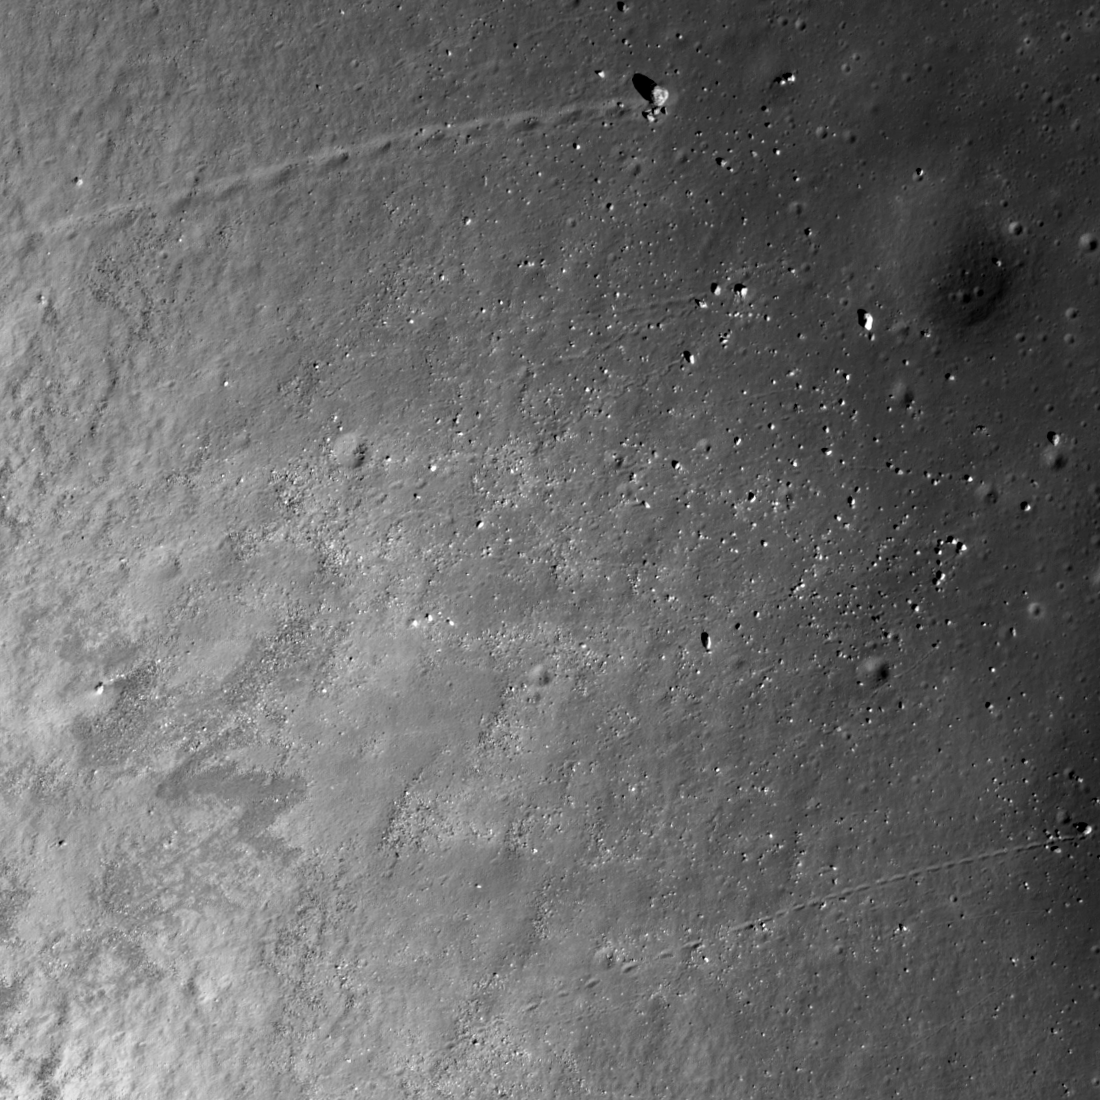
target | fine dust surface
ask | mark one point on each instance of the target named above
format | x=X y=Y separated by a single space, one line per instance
x=517 y=586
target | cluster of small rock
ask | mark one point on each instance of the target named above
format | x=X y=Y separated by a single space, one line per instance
x=658 y=97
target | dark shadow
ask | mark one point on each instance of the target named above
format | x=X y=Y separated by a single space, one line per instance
x=644 y=86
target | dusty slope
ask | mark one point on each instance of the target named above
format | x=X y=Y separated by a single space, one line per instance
x=503 y=597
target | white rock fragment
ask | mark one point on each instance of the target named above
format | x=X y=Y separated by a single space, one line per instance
x=658 y=98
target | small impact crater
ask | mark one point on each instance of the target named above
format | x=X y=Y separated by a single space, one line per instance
x=349 y=450
x=954 y=269
x=874 y=670
x=539 y=676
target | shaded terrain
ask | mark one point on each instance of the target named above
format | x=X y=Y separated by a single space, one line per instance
x=514 y=589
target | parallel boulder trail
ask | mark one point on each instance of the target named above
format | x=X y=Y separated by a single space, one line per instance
x=760 y=922
x=331 y=157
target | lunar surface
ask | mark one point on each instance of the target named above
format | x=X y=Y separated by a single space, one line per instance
x=549 y=550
